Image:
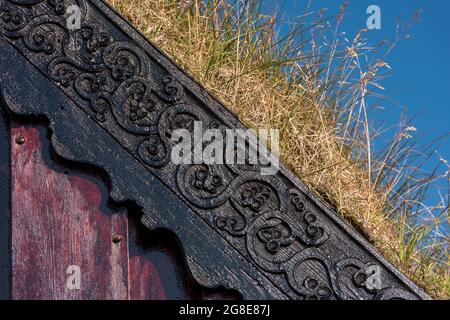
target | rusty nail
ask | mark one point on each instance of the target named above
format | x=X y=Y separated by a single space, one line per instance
x=116 y=238
x=20 y=139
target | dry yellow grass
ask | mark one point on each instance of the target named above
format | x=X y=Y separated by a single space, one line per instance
x=239 y=67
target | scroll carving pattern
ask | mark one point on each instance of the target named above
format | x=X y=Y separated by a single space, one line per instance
x=120 y=85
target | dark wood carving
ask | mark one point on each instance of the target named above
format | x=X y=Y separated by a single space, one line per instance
x=113 y=99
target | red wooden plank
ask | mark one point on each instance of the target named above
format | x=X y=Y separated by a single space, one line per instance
x=59 y=220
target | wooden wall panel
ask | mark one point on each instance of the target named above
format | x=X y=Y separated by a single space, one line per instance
x=60 y=217
x=59 y=220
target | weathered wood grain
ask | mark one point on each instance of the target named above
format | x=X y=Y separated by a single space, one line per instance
x=59 y=220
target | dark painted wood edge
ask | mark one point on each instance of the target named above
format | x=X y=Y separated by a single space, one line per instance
x=5 y=206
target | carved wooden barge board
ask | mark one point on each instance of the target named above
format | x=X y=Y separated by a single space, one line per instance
x=112 y=100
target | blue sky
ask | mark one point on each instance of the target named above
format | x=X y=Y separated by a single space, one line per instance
x=420 y=76
x=419 y=81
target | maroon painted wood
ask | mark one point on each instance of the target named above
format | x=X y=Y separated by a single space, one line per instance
x=60 y=217
x=59 y=220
